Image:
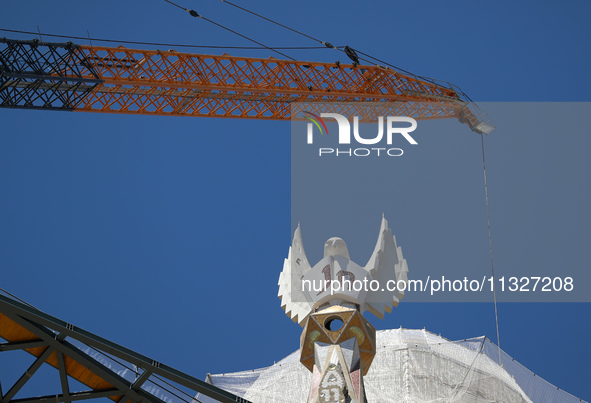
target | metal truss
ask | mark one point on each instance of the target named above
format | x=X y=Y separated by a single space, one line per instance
x=153 y=82
x=107 y=369
x=44 y=76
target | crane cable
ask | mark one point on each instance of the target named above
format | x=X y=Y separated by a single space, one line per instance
x=193 y=13
x=327 y=44
x=179 y=45
x=350 y=52
x=492 y=266
x=345 y=49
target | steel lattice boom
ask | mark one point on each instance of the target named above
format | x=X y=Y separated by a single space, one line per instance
x=43 y=75
x=105 y=369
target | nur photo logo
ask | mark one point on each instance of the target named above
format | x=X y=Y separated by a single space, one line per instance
x=388 y=128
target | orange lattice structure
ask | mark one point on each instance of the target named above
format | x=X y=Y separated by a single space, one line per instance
x=154 y=82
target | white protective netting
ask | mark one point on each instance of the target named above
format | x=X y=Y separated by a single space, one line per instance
x=410 y=366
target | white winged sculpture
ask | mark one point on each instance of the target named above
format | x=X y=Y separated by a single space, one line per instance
x=376 y=287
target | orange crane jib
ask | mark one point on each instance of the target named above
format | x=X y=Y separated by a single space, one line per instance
x=66 y=76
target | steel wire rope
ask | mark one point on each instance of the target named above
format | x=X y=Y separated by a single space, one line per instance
x=178 y=45
x=277 y=23
x=340 y=48
x=492 y=266
x=193 y=13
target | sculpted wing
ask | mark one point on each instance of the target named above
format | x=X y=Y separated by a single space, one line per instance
x=295 y=303
x=386 y=263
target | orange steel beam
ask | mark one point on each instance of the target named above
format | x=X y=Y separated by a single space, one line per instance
x=154 y=82
x=172 y=83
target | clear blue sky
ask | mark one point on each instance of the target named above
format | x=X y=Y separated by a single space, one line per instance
x=167 y=235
